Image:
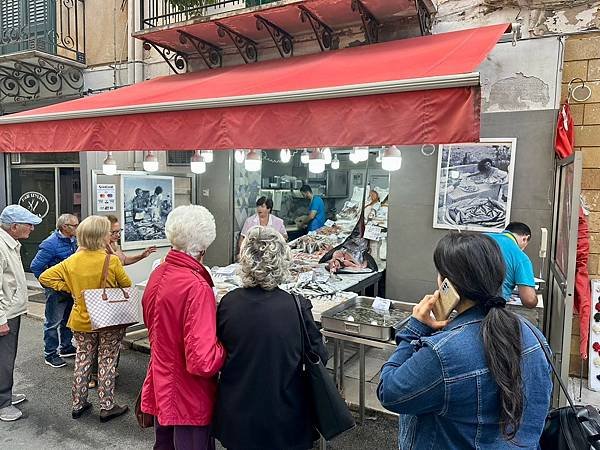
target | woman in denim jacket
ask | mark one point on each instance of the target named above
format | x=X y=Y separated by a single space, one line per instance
x=478 y=381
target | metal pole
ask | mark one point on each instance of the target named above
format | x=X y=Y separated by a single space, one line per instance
x=361 y=384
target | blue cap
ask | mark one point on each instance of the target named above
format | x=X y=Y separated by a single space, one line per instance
x=17 y=214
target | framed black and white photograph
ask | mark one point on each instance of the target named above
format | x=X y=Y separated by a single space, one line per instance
x=474 y=185
x=147 y=201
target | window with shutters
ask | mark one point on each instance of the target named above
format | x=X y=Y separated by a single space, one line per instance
x=179 y=158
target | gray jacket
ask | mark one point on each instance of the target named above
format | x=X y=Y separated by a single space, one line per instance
x=13 y=292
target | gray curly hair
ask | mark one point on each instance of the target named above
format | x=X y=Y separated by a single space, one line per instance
x=264 y=259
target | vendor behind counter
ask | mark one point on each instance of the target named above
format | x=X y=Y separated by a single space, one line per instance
x=317 y=216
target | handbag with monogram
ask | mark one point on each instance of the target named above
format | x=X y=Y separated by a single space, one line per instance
x=109 y=307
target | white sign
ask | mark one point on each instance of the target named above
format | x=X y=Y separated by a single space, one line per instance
x=381 y=304
x=329 y=223
x=106 y=197
x=35 y=203
x=372 y=232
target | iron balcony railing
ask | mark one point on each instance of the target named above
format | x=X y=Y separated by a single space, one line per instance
x=155 y=13
x=56 y=27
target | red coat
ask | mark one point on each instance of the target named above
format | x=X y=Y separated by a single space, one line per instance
x=180 y=313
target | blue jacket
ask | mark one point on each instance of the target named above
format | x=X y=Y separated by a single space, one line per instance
x=54 y=249
x=442 y=388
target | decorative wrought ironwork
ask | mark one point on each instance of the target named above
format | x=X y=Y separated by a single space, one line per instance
x=246 y=47
x=371 y=25
x=323 y=32
x=21 y=80
x=177 y=61
x=54 y=27
x=282 y=39
x=210 y=54
x=425 y=20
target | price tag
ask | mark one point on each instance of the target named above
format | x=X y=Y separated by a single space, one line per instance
x=381 y=304
x=305 y=277
x=312 y=233
x=372 y=232
x=329 y=223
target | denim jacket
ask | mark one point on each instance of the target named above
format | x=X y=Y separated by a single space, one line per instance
x=442 y=388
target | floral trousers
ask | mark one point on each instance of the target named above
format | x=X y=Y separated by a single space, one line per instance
x=106 y=344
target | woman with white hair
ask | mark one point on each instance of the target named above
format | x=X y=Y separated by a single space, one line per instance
x=263 y=402
x=185 y=356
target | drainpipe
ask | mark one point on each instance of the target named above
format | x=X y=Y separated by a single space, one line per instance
x=131 y=7
x=138 y=45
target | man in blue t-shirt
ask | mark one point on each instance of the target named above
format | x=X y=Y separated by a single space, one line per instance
x=316 y=211
x=519 y=270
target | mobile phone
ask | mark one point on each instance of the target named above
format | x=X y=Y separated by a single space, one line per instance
x=449 y=298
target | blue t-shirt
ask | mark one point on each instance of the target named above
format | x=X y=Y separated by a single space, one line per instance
x=317 y=205
x=519 y=270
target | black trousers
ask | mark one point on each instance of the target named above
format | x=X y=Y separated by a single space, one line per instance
x=8 y=354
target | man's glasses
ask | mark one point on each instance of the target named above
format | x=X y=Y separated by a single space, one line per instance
x=72 y=225
x=114 y=233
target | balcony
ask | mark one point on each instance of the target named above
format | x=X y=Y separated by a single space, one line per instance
x=247 y=27
x=42 y=49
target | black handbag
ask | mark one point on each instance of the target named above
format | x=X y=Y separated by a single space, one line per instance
x=331 y=414
x=573 y=427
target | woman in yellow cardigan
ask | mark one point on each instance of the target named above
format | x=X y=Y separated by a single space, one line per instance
x=81 y=271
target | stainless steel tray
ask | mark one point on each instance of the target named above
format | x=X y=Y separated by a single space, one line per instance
x=365 y=330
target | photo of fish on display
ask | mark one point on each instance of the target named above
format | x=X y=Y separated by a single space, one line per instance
x=474 y=185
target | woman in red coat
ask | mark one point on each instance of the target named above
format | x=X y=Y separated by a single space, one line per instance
x=180 y=313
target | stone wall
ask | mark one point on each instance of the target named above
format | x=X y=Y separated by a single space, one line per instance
x=582 y=60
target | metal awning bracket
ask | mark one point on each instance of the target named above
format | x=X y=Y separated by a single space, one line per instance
x=323 y=32
x=371 y=25
x=282 y=39
x=246 y=47
x=176 y=60
x=210 y=54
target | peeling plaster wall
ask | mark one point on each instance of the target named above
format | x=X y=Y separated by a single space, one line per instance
x=510 y=84
x=537 y=17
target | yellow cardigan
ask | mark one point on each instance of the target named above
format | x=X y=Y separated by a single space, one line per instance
x=81 y=271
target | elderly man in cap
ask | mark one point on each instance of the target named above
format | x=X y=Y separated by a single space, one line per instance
x=16 y=223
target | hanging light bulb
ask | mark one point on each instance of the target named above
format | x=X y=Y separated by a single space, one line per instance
x=391 y=159
x=379 y=156
x=150 y=162
x=197 y=163
x=354 y=156
x=316 y=162
x=326 y=154
x=304 y=157
x=109 y=166
x=207 y=155
x=362 y=153
x=285 y=155
x=335 y=163
x=239 y=156
x=253 y=161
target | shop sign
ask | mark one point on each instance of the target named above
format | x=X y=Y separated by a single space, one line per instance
x=106 y=197
x=35 y=203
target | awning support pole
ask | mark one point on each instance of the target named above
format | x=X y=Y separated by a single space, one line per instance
x=371 y=25
x=282 y=39
x=246 y=47
x=210 y=54
x=177 y=61
x=323 y=32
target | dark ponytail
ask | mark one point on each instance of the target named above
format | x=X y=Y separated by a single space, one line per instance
x=474 y=265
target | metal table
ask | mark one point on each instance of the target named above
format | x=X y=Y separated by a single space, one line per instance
x=339 y=339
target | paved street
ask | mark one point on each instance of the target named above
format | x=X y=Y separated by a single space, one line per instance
x=48 y=425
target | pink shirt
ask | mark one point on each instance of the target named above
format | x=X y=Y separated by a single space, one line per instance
x=274 y=222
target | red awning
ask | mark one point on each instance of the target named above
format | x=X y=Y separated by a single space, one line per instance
x=411 y=91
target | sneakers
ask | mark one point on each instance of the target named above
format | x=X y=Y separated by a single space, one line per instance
x=18 y=398
x=10 y=414
x=55 y=361
x=77 y=413
x=68 y=352
x=114 y=412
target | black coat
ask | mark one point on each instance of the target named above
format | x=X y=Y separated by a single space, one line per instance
x=262 y=401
